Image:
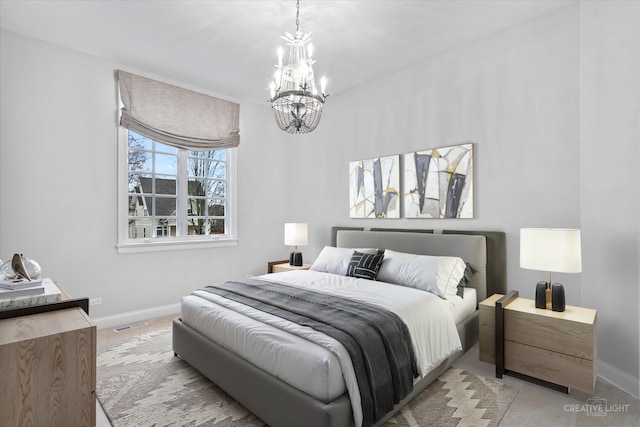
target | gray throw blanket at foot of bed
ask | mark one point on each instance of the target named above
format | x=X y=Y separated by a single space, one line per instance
x=376 y=339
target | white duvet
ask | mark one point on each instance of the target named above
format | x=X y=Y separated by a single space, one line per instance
x=271 y=342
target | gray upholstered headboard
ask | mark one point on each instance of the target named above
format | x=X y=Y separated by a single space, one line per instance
x=485 y=251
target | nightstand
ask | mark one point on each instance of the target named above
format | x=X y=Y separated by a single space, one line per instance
x=556 y=347
x=283 y=265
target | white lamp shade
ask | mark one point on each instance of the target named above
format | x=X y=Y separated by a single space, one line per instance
x=295 y=234
x=551 y=249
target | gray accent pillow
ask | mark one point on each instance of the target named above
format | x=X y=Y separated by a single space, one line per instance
x=365 y=266
x=466 y=277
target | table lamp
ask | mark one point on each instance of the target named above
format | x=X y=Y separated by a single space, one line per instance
x=550 y=249
x=295 y=234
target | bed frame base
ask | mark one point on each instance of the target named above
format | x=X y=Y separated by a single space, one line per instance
x=274 y=401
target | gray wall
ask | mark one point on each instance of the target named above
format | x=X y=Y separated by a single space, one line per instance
x=555 y=128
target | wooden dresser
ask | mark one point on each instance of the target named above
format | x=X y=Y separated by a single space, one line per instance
x=48 y=369
x=557 y=347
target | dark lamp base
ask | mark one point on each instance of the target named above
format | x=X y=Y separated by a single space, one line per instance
x=541 y=297
x=295 y=259
x=550 y=297
x=557 y=297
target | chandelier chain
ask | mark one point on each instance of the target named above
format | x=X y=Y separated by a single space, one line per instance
x=297 y=15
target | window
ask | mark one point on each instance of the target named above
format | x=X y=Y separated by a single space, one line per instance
x=174 y=196
x=177 y=152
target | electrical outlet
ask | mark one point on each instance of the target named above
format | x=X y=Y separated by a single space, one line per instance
x=95 y=301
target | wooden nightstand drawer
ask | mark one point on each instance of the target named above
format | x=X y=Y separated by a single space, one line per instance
x=551 y=366
x=558 y=347
x=570 y=332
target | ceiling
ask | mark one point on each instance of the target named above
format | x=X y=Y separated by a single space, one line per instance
x=229 y=47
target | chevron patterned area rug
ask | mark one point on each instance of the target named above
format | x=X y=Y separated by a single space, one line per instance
x=141 y=383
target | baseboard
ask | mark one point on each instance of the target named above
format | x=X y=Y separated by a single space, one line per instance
x=618 y=378
x=135 y=316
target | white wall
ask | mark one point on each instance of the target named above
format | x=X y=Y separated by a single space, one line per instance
x=514 y=94
x=552 y=106
x=58 y=177
x=528 y=97
x=610 y=180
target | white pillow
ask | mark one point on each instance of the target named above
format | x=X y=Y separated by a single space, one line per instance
x=436 y=274
x=336 y=260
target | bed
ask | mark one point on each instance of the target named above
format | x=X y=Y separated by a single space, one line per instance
x=261 y=375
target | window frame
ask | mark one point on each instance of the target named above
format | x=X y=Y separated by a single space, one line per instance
x=150 y=244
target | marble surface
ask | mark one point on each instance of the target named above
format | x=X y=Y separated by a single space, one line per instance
x=51 y=294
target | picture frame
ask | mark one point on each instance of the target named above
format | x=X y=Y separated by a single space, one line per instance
x=439 y=182
x=374 y=187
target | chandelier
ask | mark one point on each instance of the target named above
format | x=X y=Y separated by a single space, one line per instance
x=295 y=101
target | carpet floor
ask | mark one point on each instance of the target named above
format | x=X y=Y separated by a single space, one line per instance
x=141 y=383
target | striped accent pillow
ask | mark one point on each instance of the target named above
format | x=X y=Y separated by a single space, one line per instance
x=365 y=266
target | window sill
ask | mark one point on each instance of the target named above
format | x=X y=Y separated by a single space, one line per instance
x=156 y=245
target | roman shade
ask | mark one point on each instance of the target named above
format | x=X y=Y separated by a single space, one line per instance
x=176 y=116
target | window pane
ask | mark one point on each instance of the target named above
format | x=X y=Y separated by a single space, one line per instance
x=216 y=226
x=133 y=182
x=198 y=165
x=201 y=226
x=166 y=164
x=140 y=229
x=197 y=226
x=140 y=160
x=143 y=228
x=216 y=207
x=137 y=207
x=140 y=182
x=162 y=148
x=165 y=206
x=216 y=189
x=165 y=227
x=218 y=170
x=196 y=187
x=139 y=142
x=207 y=164
x=220 y=155
x=206 y=207
x=166 y=185
x=197 y=207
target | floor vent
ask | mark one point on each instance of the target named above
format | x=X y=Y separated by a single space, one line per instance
x=126 y=328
